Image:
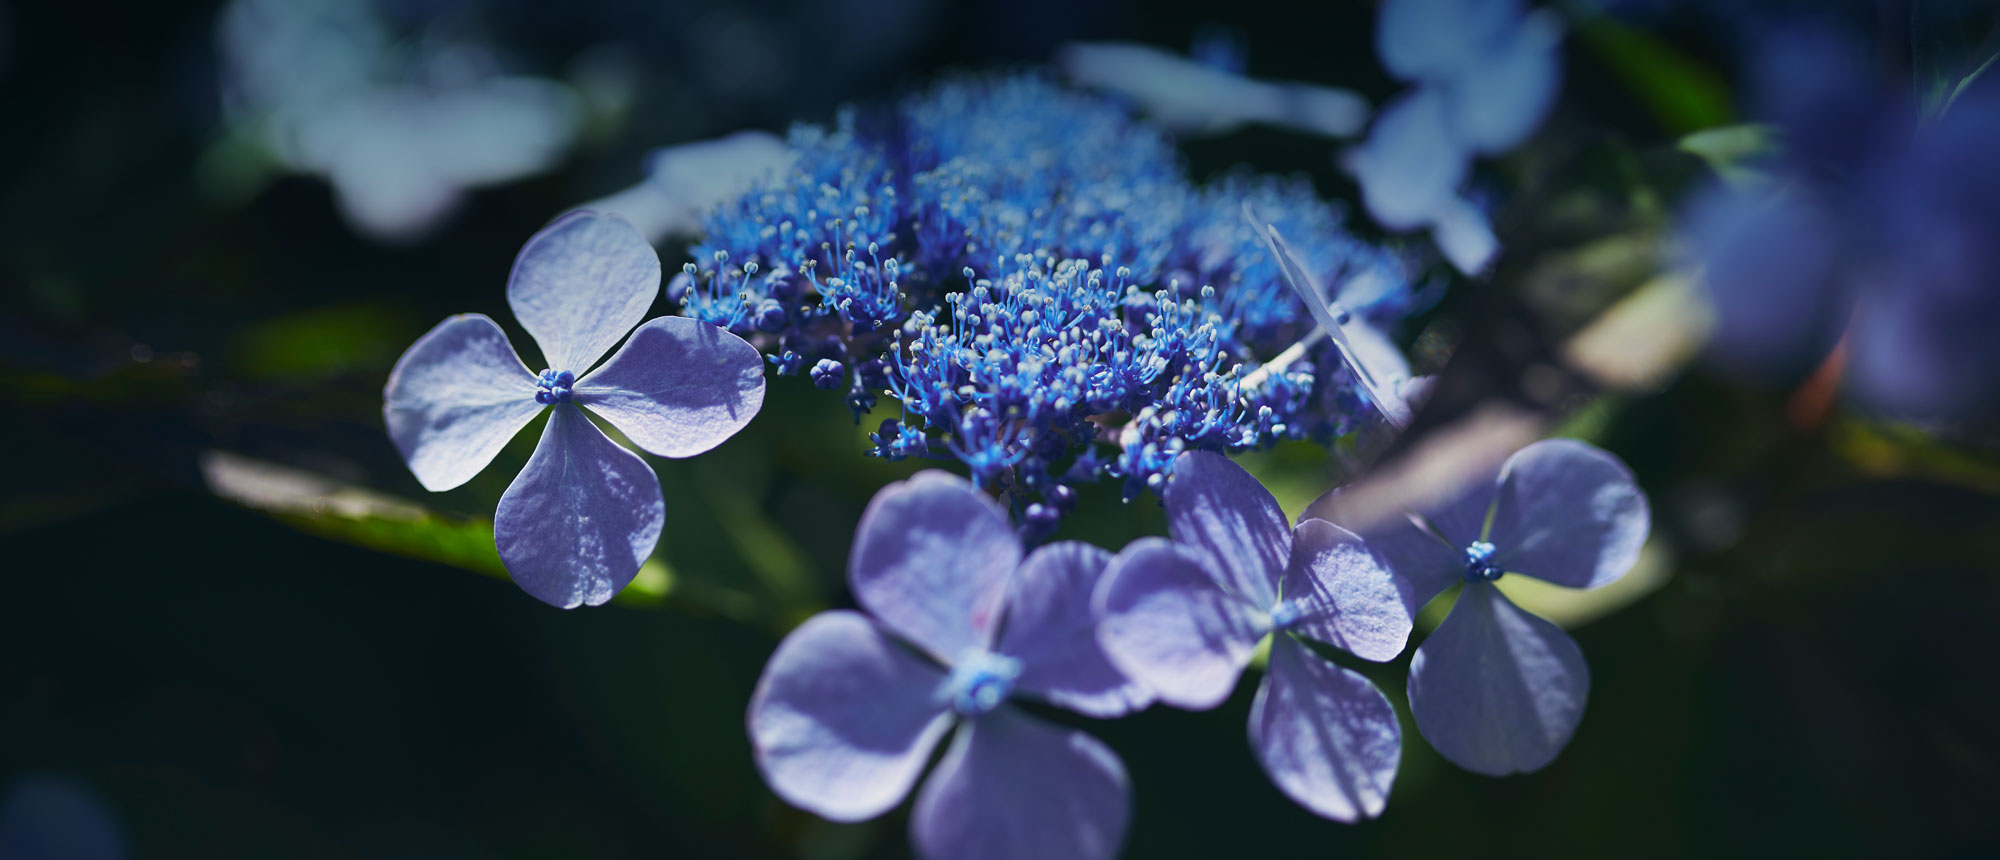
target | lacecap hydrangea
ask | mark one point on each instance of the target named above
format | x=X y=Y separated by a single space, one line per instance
x=1026 y=272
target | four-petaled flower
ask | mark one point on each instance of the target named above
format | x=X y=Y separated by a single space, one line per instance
x=846 y=716
x=1495 y=689
x=578 y=521
x=1183 y=618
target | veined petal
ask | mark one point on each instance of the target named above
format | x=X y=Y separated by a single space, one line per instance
x=1497 y=690
x=1224 y=516
x=455 y=398
x=1325 y=735
x=678 y=387
x=1417 y=556
x=1509 y=89
x=1050 y=627
x=1569 y=513
x=1345 y=594
x=1165 y=623
x=1430 y=38
x=580 y=284
x=1013 y=787
x=931 y=559
x=581 y=517
x=844 y=719
x=1411 y=165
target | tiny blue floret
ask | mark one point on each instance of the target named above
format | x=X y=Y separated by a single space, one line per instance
x=553 y=387
x=980 y=681
x=1479 y=564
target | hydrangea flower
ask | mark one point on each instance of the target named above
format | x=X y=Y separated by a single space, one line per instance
x=584 y=513
x=1876 y=228
x=401 y=127
x=1023 y=272
x=1183 y=618
x=1495 y=689
x=851 y=705
x=1485 y=75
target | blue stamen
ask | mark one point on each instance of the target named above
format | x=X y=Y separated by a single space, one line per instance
x=980 y=682
x=1479 y=564
x=553 y=387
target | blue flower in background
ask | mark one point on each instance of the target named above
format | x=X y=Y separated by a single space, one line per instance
x=334 y=88
x=1025 y=272
x=1876 y=229
x=1485 y=74
x=846 y=714
x=584 y=514
x=1183 y=618
x=1495 y=689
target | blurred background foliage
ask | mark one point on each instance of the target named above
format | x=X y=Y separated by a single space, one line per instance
x=235 y=617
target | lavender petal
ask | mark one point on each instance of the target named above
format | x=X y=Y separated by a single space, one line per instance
x=1012 y=786
x=1568 y=513
x=1325 y=735
x=1497 y=690
x=931 y=559
x=844 y=719
x=1225 y=517
x=580 y=284
x=455 y=398
x=678 y=387
x=578 y=521
x=1050 y=628
x=1345 y=594
x=1165 y=623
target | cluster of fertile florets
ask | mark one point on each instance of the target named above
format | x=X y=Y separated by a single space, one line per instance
x=1028 y=273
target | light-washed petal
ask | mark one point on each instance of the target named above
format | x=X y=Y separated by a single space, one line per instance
x=455 y=398
x=844 y=719
x=1775 y=270
x=1497 y=690
x=1013 y=787
x=1508 y=91
x=1050 y=627
x=1463 y=234
x=580 y=284
x=678 y=387
x=1570 y=513
x=1433 y=38
x=1411 y=165
x=931 y=559
x=1345 y=594
x=1326 y=736
x=581 y=517
x=1166 y=624
x=1224 y=516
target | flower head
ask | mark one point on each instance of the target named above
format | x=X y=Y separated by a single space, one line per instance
x=1183 y=617
x=1495 y=689
x=576 y=524
x=846 y=714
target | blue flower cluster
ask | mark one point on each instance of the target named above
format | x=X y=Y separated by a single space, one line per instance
x=1029 y=272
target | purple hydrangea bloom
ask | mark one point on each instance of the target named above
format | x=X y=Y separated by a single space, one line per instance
x=846 y=715
x=1495 y=689
x=1877 y=229
x=576 y=524
x=1485 y=74
x=1183 y=618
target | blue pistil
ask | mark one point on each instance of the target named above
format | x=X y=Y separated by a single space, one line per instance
x=553 y=387
x=980 y=681
x=1479 y=564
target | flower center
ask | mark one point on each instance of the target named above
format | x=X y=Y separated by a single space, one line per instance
x=552 y=387
x=980 y=681
x=1286 y=614
x=1479 y=564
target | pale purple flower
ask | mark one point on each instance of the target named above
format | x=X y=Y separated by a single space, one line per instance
x=1485 y=73
x=576 y=524
x=847 y=713
x=1184 y=617
x=1495 y=689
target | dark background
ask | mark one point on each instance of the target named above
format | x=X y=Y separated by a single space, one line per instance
x=1817 y=677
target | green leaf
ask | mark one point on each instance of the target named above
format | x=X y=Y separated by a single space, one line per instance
x=1681 y=94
